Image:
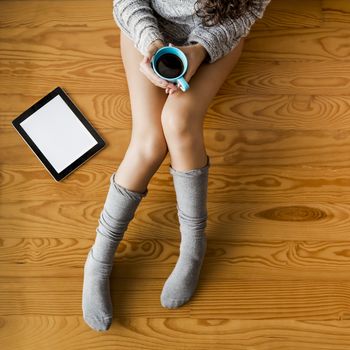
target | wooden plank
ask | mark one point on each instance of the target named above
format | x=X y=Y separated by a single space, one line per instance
x=50 y=331
x=56 y=14
x=290 y=14
x=87 y=14
x=320 y=44
x=230 y=220
x=238 y=299
x=157 y=256
x=234 y=184
x=231 y=147
x=71 y=44
x=226 y=111
x=107 y=76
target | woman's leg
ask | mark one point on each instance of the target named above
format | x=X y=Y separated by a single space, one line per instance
x=183 y=113
x=147 y=148
x=128 y=185
x=182 y=120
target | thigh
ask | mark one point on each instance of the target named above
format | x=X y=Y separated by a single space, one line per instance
x=146 y=99
x=204 y=85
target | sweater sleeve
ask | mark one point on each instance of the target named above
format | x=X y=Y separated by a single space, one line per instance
x=136 y=18
x=220 y=39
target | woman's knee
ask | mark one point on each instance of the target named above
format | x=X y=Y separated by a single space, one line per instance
x=181 y=125
x=151 y=147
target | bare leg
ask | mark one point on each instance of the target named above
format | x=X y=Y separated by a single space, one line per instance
x=147 y=148
x=183 y=113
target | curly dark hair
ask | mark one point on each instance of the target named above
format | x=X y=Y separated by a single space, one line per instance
x=213 y=12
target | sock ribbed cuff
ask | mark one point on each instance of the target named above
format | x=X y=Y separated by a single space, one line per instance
x=189 y=173
x=126 y=192
x=119 y=209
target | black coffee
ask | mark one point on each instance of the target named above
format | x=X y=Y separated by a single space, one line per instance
x=169 y=65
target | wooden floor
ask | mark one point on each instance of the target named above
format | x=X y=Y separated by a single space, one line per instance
x=277 y=270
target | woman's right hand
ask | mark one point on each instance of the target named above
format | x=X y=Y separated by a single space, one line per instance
x=146 y=68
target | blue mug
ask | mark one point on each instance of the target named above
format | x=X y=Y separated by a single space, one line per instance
x=180 y=80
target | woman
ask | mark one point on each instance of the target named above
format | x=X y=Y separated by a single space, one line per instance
x=164 y=118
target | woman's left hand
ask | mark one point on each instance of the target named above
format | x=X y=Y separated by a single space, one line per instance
x=195 y=55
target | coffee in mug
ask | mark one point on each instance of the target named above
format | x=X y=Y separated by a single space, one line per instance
x=169 y=65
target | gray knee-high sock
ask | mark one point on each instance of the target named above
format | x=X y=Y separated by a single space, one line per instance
x=191 y=189
x=118 y=211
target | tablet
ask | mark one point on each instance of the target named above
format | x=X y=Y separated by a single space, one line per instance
x=58 y=134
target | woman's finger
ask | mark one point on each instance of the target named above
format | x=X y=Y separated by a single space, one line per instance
x=154 y=77
x=145 y=69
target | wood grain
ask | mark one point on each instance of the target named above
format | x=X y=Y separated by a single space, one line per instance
x=231 y=298
x=316 y=44
x=267 y=184
x=335 y=13
x=231 y=221
x=279 y=14
x=177 y=333
x=246 y=111
x=247 y=147
x=227 y=258
x=279 y=77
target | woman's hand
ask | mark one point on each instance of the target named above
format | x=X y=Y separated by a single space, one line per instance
x=146 y=68
x=195 y=55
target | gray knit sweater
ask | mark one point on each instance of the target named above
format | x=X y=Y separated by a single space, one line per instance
x=175 y=21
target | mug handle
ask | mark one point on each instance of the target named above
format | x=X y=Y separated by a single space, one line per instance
x=183 y=84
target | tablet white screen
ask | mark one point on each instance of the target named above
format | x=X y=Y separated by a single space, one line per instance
x=58 y=133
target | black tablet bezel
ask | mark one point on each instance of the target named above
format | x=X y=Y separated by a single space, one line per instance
x=58 y=91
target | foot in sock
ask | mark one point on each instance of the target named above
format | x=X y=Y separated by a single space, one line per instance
x=183 y=280
x=118 y=211
x=191 y=194
x=97 y=303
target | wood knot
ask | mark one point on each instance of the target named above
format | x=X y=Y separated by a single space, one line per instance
x=293 y=213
